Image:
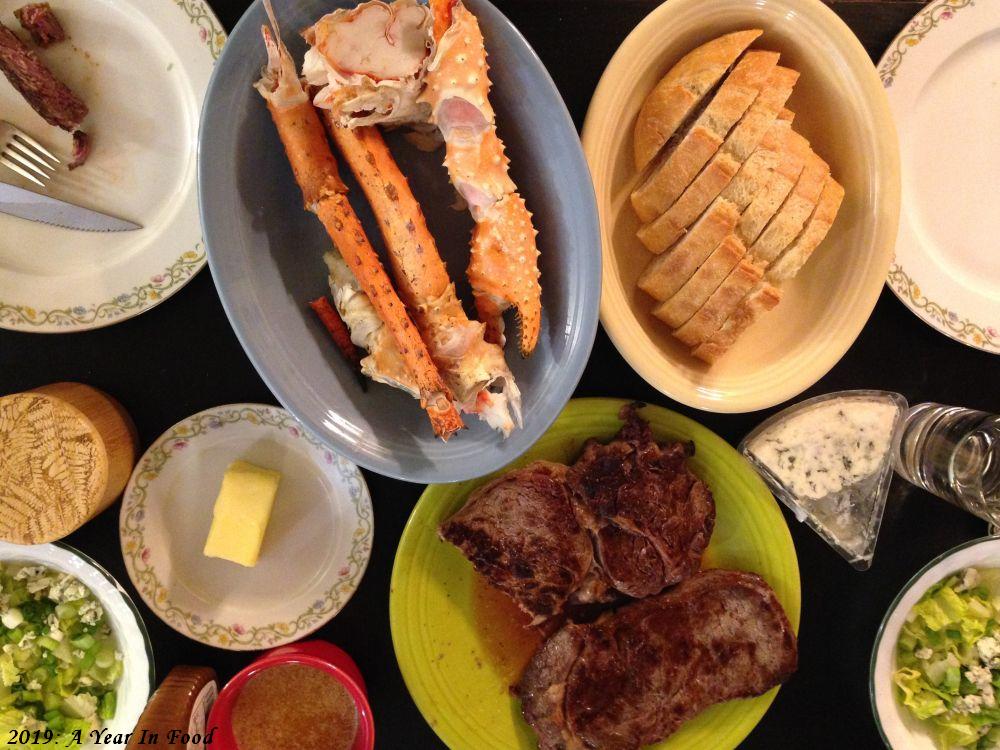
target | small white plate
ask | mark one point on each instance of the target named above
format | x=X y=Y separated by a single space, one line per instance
x=142 y=66
x=941 y=77
x=315 y=550
x=133 y=641
x=899 y=729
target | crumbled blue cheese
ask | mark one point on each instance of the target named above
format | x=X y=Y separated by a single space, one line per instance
x=11 y=618
x=29 y=571
x=988 y=649
x=970 y=579
x=90 y=612
x=968 y=704
x=924 y=653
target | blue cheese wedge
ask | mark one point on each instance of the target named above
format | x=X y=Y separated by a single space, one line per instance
x=829 y=461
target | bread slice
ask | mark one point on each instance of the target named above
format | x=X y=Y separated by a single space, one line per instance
x=741 y=142
x=779 y=185
x=756 y=170
x=794 y=212
x=720 y=305
x=680 y=165
x=762 y=299
x=677 y=310
x=679 y=92
x=667 y=273
x=796 y=254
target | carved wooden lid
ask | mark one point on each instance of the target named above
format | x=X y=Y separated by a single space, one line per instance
x=53 y=468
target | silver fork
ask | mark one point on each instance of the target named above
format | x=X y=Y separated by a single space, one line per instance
x=26 y=156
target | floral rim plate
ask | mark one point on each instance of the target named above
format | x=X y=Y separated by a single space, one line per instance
x=143 y=67
x=898 y=729
x=315 y=551
x=457 y=657
x=946 y=108
x=138 y=676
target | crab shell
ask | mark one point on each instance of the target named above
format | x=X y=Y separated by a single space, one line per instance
x=368 y=62
x=504 y=273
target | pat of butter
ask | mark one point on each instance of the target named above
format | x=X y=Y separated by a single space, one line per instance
x=241 y=513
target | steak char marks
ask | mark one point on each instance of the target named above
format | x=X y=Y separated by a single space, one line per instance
x=627 y=519
x=649 y=516
x=520 y=533
x=635 y=675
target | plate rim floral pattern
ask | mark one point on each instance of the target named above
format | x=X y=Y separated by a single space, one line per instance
x=902 y=281
x=84 y=316
x=236 y=636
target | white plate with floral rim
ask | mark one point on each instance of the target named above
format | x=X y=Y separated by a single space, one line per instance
x=315 y=550
x=941 y=77
x=143 y=67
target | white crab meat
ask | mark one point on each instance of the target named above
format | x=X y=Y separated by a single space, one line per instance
x=368 y=62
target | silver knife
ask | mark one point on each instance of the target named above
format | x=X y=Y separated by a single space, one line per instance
x=25 y=204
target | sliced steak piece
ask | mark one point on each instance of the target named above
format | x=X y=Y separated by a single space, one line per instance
x=639 y=673
x=81 y=149
x=543 y=688
x=520 y=533
x=39 y=20
x=49 y=96
x=651 y=517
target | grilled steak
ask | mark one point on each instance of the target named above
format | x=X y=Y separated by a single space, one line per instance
x=635 y=675
x=49 y=97
x=650 y=517
x=40 y=21
x=533 y=533
x=520 y=532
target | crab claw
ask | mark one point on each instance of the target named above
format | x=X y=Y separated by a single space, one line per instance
x=504 y=271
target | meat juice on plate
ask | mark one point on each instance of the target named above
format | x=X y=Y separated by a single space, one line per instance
x=505 y=631
x=829 y=460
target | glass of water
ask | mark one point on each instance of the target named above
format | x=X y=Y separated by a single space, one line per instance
x=953 y=453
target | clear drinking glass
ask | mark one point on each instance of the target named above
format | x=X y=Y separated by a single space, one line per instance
x=953 y=453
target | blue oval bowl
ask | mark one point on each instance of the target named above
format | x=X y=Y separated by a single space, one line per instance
x=266 y=255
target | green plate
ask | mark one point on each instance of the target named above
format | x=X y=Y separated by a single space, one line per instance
x=455 y=646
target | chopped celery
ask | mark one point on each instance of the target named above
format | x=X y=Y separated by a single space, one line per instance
x=57 y=672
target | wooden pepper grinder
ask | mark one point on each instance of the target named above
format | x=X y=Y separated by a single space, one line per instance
x=66 y=453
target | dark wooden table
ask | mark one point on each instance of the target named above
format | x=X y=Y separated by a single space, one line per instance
x=182 y=357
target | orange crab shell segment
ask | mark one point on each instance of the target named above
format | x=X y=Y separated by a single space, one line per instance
x=459 y=68
x=482 y=165
x=503 y=270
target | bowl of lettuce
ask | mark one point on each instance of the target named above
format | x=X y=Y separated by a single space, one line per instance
x=75 y=658
x=935 y=668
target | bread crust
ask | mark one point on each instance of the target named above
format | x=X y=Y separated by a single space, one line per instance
x=739 y=145
x=679 y=91
x=782 y=230
x=680 y=165
x=677 y=310
x=754 y=305
x=720 y=305
x=796 y=254
x=667 y=273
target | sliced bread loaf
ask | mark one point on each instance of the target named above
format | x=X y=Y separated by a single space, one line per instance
x=778 y=187
x=741 y=142
x=680 y=165
x=680 y=91
x=668 y=272
x=789 y=220
x=763 y=298
x=756 y=170
x=796 y=254
x=677 y=310
x=720 y=305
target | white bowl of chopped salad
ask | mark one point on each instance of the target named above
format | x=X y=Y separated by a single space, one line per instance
x=75 y=659
x=935 y=669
